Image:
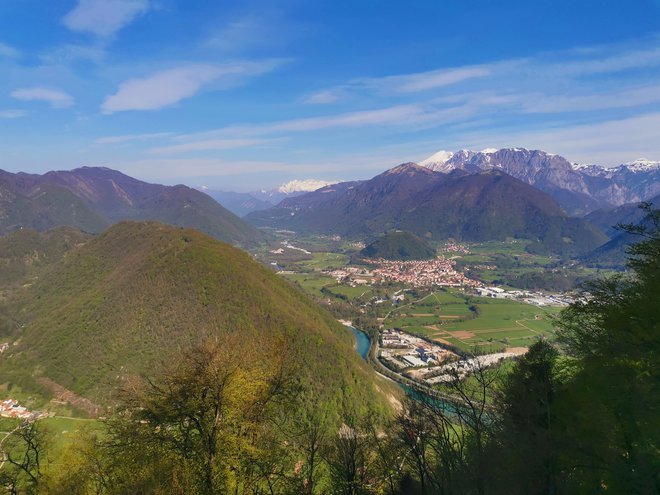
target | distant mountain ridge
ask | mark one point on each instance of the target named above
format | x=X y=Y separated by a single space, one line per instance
x=92 y=198
x=579 y=189
x=489 y=205
x=241 y=203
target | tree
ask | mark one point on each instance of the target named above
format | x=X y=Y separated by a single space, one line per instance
x=610 y=407
x=528 y=457
x=206 y=425
x=23 y=450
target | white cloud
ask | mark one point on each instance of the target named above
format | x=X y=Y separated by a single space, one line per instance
x=125 y=138
x=12 y=114
x=323 y=97
x=56 y=98
x=424 y=81
x=212 y=145
x=170 y=86
x=104 y=18
x=539 y=103
x=66 y=53
x=8 y=51
x=175 y=168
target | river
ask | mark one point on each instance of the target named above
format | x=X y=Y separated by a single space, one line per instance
x=362 y=342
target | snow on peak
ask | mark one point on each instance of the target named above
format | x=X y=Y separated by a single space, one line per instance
x=441 y=157
x=303 y=185
x=489 y=151
x=642 y=164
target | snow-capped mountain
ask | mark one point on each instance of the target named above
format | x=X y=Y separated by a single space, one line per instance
x=243 y=203
x=305 y=185
x=641 y=165
x=578 y=188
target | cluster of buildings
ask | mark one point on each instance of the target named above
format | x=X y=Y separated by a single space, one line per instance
x=454 y=247
x=9 y=408
x=401 y=351
x=460 y=369
x=288 y=245
x=437 y=272
x=527 y=296
x=429 y=363
x=351 y=275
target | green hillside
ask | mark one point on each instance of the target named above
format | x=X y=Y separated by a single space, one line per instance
x=25 y=252
x=142 y=292
x=399 y=245
x=44 y=207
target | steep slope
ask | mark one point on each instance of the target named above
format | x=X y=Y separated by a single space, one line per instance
x=475 y=207
x=399 y=245
x=141 y=292
x=110 y=196
x=25 y=252
x=579 y=189
x=27 y=203
x=607 y=219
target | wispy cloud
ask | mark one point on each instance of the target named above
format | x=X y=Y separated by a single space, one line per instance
x=213 y=145
x=324 y=97
x=582 y=84
x=424 y=81
x=174 y=168
x=170 y=86
x=126 y=138
x=55 y=97
x=8 y=51
x=66 y=53
x=12 y=114
x=104 y=18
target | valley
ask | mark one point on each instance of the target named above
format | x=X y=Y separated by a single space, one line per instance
x=471 y=299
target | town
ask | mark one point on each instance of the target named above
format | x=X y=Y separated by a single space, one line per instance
x=437 y=272
x=10 y=408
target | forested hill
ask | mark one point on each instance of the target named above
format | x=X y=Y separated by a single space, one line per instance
x=399 y=245
x=143 y=292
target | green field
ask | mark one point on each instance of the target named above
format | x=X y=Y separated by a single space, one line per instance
x=323 y=261
x=448 y=317
x=311 y=282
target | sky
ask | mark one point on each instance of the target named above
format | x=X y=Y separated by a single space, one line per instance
x=247 y=95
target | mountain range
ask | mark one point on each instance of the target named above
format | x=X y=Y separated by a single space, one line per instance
x=487 y=205
x=579 y=189
x=92 y=198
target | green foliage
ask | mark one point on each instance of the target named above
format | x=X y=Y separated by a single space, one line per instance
x=611 y=403
x=142 y=293
x=399 y=245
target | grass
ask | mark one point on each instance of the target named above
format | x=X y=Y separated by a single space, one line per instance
x=498 y=323
x=323 y=261
x=311 y=282
x=350 y=292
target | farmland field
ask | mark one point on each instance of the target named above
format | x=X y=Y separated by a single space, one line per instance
x=470 y=322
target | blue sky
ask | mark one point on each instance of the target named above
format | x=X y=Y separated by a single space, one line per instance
x=244 y=95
